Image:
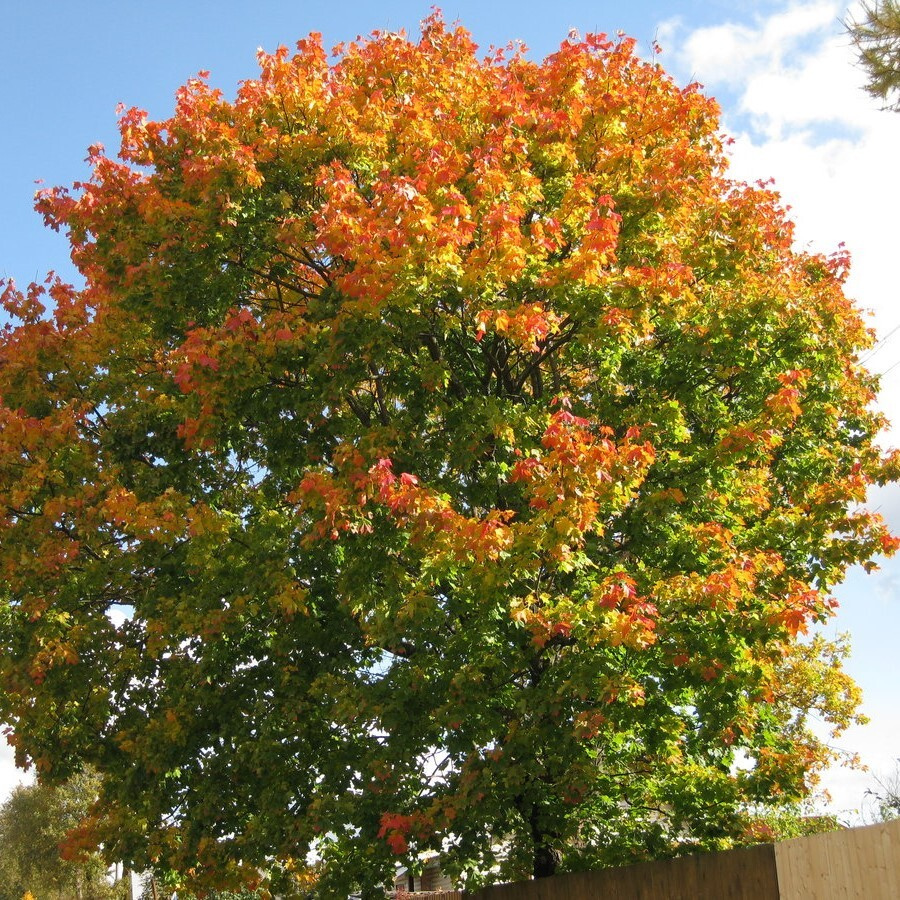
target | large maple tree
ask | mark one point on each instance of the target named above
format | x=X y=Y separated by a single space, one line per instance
x=442 y=453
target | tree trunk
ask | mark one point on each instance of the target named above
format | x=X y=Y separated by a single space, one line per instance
x=546 y=858
x=546 y=861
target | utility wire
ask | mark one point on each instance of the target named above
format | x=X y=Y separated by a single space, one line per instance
x=879 y=344
x=889 y=369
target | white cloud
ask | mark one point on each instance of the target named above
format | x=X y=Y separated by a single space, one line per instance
x=729 y=50
x=734 y=51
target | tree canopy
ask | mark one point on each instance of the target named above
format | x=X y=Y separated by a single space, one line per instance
x=442 y=452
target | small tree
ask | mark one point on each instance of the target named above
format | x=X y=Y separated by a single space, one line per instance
x=466 y=455
x=35 y=823
x=877 y=38
x=883 y=801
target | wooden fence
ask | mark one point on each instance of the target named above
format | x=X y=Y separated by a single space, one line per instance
x=854 y=863
x=747 y=874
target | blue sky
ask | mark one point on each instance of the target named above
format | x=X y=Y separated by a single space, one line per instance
x=782 y=71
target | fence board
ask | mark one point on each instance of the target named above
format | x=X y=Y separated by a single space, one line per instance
x=854 y=864
x=746 y=874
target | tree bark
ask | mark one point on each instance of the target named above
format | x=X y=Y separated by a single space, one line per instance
x=546 y=861
x=546 y=858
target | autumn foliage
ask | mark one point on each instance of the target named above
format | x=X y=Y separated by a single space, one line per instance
x=442 y=453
